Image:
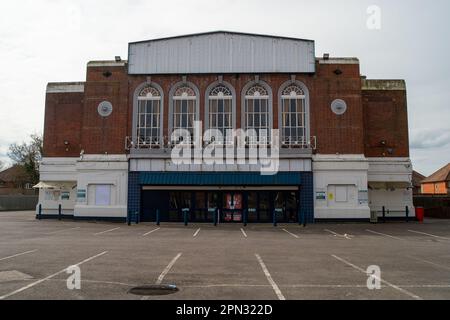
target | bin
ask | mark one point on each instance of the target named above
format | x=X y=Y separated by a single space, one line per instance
x=420 y=214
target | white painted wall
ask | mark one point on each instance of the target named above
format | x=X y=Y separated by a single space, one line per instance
x=103 y=170
x=166 y=165
x=58 y=171
x=86 y=173
x=332 y=174
x=390 y=185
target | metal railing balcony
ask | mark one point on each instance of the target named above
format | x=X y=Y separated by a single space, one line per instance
x=168 y=143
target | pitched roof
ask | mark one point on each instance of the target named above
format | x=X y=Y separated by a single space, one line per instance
x=13 y=174
x=417 y=178
x=441 y=175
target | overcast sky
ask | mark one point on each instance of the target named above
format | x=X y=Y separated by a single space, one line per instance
x=52 y=40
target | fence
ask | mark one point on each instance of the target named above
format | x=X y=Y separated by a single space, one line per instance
x=18 y=203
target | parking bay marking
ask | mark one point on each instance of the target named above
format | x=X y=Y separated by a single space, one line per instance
x=165 y=272
x=412 y=295
x=429 y=262
x=346 y=236
x=430 y=235
x=270 y=279
x=197 y=232
x=60 y=231
x=50 y=276
x=107 y=231
x=294 y=235
x=146 y=234
x=384 y=234
x=18 y=255
x=244 y=233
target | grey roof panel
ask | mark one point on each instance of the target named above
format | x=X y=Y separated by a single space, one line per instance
x=222 y=52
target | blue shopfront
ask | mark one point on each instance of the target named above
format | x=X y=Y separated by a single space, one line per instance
x=221 y=197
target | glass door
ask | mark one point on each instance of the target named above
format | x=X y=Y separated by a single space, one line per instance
x=232 y=207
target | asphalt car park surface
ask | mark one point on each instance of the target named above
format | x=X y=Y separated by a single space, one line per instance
x=257 y=262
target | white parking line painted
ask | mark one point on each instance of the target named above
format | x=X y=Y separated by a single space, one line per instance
x=165 y=272
x=294 y=235
x=18 y=255
x=50 y=276
x=168 y=268
x=429 y=262
x=197 y=232
x=146 y=234
x=346 y=236
x=244 y=233
x=406 y=292
x=60 y=231
x=384 y=234
x=270 y=279
x=430 y=235
x=107 y=231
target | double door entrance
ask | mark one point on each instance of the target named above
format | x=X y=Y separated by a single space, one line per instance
x=223 y=206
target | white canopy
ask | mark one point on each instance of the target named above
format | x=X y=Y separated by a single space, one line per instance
x=55 y=185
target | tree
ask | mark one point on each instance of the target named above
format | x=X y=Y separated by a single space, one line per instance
x=2 y=164
x=28 y=155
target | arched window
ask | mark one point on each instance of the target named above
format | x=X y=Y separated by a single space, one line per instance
x=294 y=119
x=149 y=131
x=184 y=108
x=220 y=113
x=257 y=109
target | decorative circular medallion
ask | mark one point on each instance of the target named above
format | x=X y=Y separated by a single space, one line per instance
x=105 y=109
x=339 y=107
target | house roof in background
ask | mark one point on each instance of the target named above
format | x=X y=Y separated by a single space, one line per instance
x=417 y=178
x=13 y=174
x=441 y=175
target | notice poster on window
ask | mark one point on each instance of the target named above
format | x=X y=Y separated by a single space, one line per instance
x=234 y=204
x=102 y=195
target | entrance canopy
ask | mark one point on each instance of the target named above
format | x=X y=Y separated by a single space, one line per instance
x=219 y=179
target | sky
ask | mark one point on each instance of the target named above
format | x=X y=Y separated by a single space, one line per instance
x=45 y=41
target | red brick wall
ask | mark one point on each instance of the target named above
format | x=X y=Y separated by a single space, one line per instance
x=343 y=134
x=63 y=120
x=385 y=119
x=101 y=135
x=383 y=113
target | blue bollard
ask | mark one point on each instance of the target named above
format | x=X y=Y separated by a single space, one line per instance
x=158 y=221
x=59 y=212
x=216 y=212
x=185 y=214
x=245 y=217
x=275 y=218
x=407 y=214
x=40 y=212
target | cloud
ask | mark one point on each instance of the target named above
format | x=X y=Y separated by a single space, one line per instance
x=430 y=138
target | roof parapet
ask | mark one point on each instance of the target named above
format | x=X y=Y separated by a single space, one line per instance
x=106 y=63
x=383 y=84
x=65 y=87
x=338 y=60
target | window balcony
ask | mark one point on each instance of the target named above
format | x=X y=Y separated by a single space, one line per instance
x=156 y=144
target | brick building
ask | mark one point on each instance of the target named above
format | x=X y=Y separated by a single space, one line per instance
x=343 y=139
x=438 y=183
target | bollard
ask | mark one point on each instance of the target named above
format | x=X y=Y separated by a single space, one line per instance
x=185 y=215
x=40 y=212
x=407 y=214
x=138 y=217
x=216 y=212
x=129 y=218
x=275 y=218
x=158 y=221
x=59 y=212
x=245 y=217
x=384 y=214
